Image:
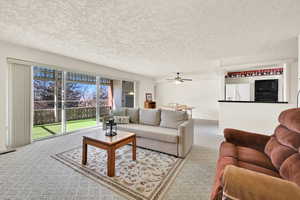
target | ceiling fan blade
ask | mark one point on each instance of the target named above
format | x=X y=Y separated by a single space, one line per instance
x=187 y=79
x=170 y=79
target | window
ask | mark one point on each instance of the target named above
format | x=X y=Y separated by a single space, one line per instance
x=128 y=94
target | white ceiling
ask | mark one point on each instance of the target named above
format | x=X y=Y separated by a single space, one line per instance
x=154 y=37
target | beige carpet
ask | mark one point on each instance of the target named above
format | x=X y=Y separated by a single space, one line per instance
x=147 y=178
x=30 y=173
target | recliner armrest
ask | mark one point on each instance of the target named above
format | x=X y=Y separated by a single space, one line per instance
x=246 y=139
x=239 y=183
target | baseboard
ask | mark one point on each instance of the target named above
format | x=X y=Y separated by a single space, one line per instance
x=7 y=151
x=208 y=121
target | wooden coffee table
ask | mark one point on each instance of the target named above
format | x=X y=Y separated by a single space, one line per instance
x=110 y=144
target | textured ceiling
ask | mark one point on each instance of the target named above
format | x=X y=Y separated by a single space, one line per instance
x=154 y=37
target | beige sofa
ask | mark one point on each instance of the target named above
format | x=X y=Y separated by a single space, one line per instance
x=161 y=130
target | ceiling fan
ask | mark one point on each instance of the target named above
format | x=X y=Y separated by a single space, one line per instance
x=178 y=79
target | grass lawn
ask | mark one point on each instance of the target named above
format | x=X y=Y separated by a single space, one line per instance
x=78 y=124
x=45 y=130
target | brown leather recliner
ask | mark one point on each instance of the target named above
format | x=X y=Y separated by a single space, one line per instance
x=259 y=167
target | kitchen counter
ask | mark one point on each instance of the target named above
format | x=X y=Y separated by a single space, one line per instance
x=275 y=102
x=258 y=117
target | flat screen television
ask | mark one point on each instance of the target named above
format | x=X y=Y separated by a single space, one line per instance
x=266 y=90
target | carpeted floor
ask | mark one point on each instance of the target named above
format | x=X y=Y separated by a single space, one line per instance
x=147 y=178
x=30 y=173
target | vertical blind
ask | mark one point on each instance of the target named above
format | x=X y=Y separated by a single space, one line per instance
x=20 y=105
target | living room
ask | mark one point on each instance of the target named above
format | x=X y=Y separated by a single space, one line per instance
x=149 y=100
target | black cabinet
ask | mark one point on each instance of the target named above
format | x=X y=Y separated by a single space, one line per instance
x=266 y=90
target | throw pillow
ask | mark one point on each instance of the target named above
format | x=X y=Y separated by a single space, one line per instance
x=121 y=119
x=172 y=119
x=150 y=117
x=119 y=112
x=133 y=114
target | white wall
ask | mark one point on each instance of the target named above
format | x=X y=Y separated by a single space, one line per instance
x=253 y=117
x=144 y=87
x=298 y=63
x=257 y=117
x=202 y=94
x=23 y=53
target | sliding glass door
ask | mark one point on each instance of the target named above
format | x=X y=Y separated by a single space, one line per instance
x=80 y=106
x=68 y=101
x=63 y=102
x=47 y=102
x=105 y=97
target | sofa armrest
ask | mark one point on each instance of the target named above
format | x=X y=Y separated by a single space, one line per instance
x=186 y=137
x=246 y=139
x=239 y=183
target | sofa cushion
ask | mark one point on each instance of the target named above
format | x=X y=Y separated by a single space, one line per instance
x=133 y=114
x=150 y=116
x=257 y=168
x=172 y=119
x=246 y=155
x=287 y=137
x=277 y=152
x=291 y=119
x=119 y=112
x=290 y=169
x=151 y=132
x=255 y=157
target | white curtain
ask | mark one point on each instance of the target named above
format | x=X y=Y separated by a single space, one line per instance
x=20 y=101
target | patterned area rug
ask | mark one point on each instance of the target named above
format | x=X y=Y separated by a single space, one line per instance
x=147 y=178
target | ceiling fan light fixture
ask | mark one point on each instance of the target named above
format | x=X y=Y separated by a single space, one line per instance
x=178 y=79
x=177 y=82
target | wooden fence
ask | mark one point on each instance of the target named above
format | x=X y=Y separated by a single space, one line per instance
x=47 y=116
